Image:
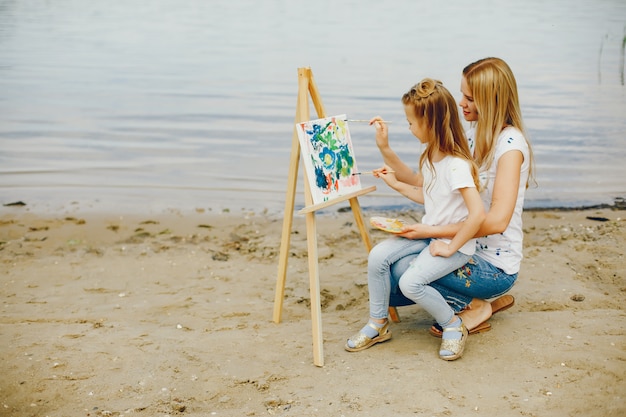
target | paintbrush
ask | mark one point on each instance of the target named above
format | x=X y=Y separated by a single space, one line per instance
x=367 y=121
x=371 y=172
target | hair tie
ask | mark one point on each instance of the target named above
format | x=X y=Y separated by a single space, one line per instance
x=425 y=88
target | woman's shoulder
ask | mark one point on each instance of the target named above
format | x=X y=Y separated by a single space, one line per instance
x=510 y=132
x=511 y=138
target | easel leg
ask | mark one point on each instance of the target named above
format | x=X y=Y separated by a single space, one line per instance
x=314 y=289
x=358 y=218
x=302 y=113
x=393 y=314
x=287 y=224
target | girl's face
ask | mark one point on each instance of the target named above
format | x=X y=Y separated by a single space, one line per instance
x=415 y=125
x=470 y=112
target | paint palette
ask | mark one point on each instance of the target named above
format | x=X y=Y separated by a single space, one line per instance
x=387 y=224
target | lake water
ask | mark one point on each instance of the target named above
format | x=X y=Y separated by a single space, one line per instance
x=163 y=104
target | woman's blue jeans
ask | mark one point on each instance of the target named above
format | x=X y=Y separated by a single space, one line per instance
x=390 y=259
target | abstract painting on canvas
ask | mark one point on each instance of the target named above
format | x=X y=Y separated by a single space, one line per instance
x=328 y=157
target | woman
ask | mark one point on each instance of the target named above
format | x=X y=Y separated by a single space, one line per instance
x=502 y=150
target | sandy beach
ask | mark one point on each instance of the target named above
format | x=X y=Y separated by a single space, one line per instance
x=171 y=315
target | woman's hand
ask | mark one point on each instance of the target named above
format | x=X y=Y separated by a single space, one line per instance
x=440 y=248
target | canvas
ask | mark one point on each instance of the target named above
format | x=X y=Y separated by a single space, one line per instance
x=328 y=157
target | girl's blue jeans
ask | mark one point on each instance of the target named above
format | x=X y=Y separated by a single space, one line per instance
x=401 y=268
x=423 y=269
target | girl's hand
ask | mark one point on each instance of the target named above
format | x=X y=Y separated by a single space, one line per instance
x=387 y=174
x=382 y=134
x=440 y=248
x=416 y=231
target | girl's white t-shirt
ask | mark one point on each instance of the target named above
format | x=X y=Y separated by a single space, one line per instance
x=443 y=202
x=504 y=250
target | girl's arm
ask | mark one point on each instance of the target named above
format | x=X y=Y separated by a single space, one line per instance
x=408 y=190
x=469 y=227
x=403 y=172
x=501 y=209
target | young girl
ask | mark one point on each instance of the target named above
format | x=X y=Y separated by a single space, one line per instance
x=450 y=194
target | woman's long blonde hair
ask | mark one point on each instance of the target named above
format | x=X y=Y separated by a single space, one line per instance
x=436 y=108
x=494 y=89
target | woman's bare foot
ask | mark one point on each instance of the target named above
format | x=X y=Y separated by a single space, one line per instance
x=477 y=312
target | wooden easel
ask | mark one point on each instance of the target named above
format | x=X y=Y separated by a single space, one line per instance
x=306 y=87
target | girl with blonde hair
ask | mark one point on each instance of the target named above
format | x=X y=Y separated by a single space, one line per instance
x=448 y=188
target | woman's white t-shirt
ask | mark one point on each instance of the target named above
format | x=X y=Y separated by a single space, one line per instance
x=443 y=202
x=504 y=250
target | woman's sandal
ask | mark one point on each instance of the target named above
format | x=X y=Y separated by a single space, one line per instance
x=499 y=304
x=361 y=341
x=502 y=303
x=435 y=329
x=456 y=346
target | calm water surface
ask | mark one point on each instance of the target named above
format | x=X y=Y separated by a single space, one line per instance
x=161 y=104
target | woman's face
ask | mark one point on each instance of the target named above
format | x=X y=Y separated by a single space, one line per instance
x=470 y=112
x=415 y=125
